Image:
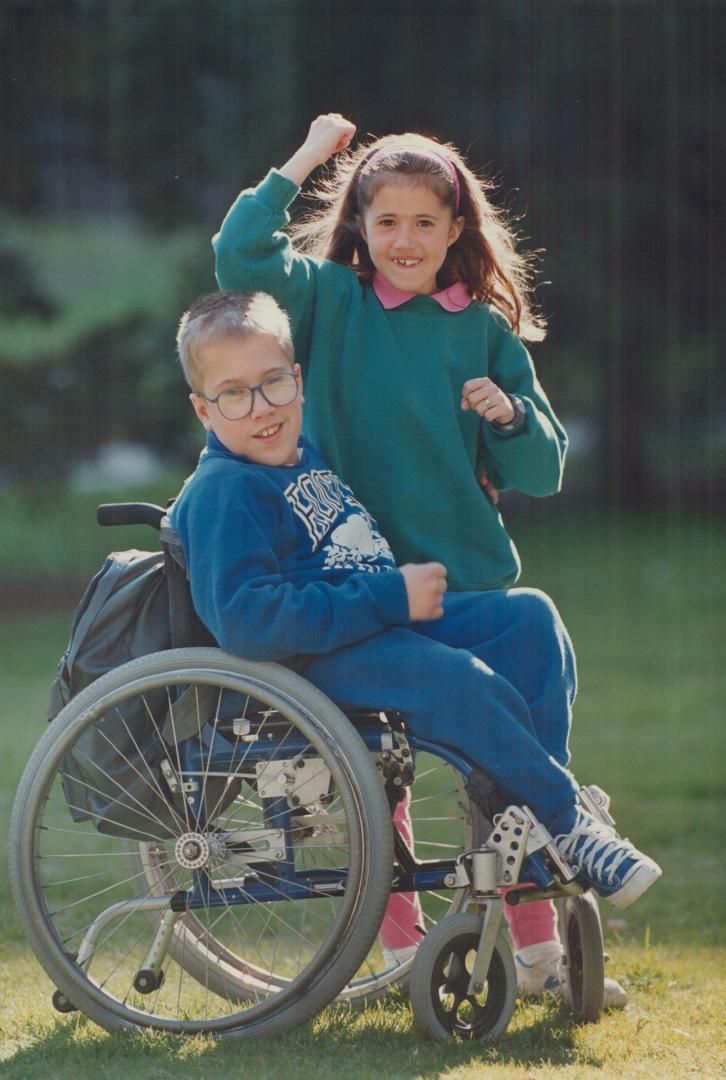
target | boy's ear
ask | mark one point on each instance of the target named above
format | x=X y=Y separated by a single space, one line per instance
x=298 y=371
x=202 y=411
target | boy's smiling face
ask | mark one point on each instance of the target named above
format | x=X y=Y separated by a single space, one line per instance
x=270 y=433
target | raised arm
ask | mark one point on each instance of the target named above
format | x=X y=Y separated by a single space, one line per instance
x=251 y=250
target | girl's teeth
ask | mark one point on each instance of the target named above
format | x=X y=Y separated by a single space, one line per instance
x=269 y=431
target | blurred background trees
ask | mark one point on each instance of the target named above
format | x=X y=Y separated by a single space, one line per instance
x=128 y=128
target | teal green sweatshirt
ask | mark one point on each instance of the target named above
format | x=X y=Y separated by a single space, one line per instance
x=383 y=396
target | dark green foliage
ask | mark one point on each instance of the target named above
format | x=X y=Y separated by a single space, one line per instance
x=600 y=120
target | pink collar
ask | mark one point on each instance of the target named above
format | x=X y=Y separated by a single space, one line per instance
x=455 y=298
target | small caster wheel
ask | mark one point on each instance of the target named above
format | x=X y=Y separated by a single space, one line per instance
x=147 y=981
x=61 y=1003
x=584 y=960
x=442 y=1006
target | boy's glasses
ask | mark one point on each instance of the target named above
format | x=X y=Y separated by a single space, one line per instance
x=236 y=402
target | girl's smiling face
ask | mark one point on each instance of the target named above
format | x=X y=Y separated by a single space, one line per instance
x=408 y=231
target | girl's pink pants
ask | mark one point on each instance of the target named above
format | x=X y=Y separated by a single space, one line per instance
x=403 y=921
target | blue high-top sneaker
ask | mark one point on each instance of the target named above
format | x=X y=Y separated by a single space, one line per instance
x=610 y=864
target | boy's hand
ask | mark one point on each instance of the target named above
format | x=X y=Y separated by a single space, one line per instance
x=486 y=399
x=425 y=586
x=328 y=135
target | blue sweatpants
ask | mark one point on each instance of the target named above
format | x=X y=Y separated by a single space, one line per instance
x=494 y=677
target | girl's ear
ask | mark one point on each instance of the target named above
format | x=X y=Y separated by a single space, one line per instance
x=361 y=227
x=202 y=411
x=457 y=227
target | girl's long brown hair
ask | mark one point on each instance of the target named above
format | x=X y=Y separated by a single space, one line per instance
x=484 y=258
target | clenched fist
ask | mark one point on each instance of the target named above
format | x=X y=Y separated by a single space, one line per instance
x=486 y=399
x=425 y=586
x=328 y=135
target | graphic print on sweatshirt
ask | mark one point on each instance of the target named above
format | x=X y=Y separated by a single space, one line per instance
x=337 y=523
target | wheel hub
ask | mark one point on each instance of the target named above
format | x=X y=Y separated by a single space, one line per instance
x=192 y=851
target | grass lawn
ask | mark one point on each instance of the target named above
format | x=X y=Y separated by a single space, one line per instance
x=644 y=601
x=70 y=546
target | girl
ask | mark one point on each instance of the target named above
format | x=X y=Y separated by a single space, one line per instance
x=409 y=305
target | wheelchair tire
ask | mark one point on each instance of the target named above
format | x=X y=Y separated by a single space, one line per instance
x=442 y=1006
x=584 y=960
x=254 y=966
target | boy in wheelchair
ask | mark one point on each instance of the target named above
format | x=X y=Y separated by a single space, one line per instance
x=285 y=564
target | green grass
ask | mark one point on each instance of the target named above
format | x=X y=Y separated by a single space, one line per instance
x=644 y=600
x=53 y=536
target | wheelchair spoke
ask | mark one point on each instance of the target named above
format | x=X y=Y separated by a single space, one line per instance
x=435 y=821
x=152 y=781
x=197 y=837
x=138 y=809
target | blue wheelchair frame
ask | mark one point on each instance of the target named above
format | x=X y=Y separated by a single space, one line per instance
x=289 y=884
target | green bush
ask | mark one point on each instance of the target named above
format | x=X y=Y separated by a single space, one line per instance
x=87 y=340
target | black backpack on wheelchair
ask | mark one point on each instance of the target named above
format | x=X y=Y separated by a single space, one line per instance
x=138 y=603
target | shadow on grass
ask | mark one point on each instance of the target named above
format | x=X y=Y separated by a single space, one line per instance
x=343 y=1042
x=541 y=1034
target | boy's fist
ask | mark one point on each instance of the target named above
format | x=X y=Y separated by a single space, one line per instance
x=425 y=586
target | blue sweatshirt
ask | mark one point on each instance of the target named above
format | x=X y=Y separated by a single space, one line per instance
x=284 y=561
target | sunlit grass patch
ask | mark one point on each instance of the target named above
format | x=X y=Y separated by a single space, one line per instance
x=647 y=726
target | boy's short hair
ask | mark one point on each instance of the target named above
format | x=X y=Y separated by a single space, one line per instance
x=229 y=314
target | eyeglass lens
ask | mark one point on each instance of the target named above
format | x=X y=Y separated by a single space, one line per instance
x=278 y=389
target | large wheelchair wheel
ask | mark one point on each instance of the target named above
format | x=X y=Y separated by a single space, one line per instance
x=443 y=823
x=442 y=1006
x=584 y=960
x=200 y=844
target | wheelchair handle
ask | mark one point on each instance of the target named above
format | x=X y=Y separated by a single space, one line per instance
x=139 y=513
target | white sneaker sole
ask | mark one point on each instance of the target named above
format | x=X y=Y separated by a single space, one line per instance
x=614 y=997
x=641 y=878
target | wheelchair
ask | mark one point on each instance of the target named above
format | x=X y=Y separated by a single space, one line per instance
x=224 y=865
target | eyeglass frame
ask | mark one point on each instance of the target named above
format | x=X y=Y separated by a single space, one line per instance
x=253 y=390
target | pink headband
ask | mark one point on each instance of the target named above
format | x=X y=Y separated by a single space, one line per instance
x=394 y=148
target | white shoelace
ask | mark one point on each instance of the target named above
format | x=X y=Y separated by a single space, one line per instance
x=598 y=843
